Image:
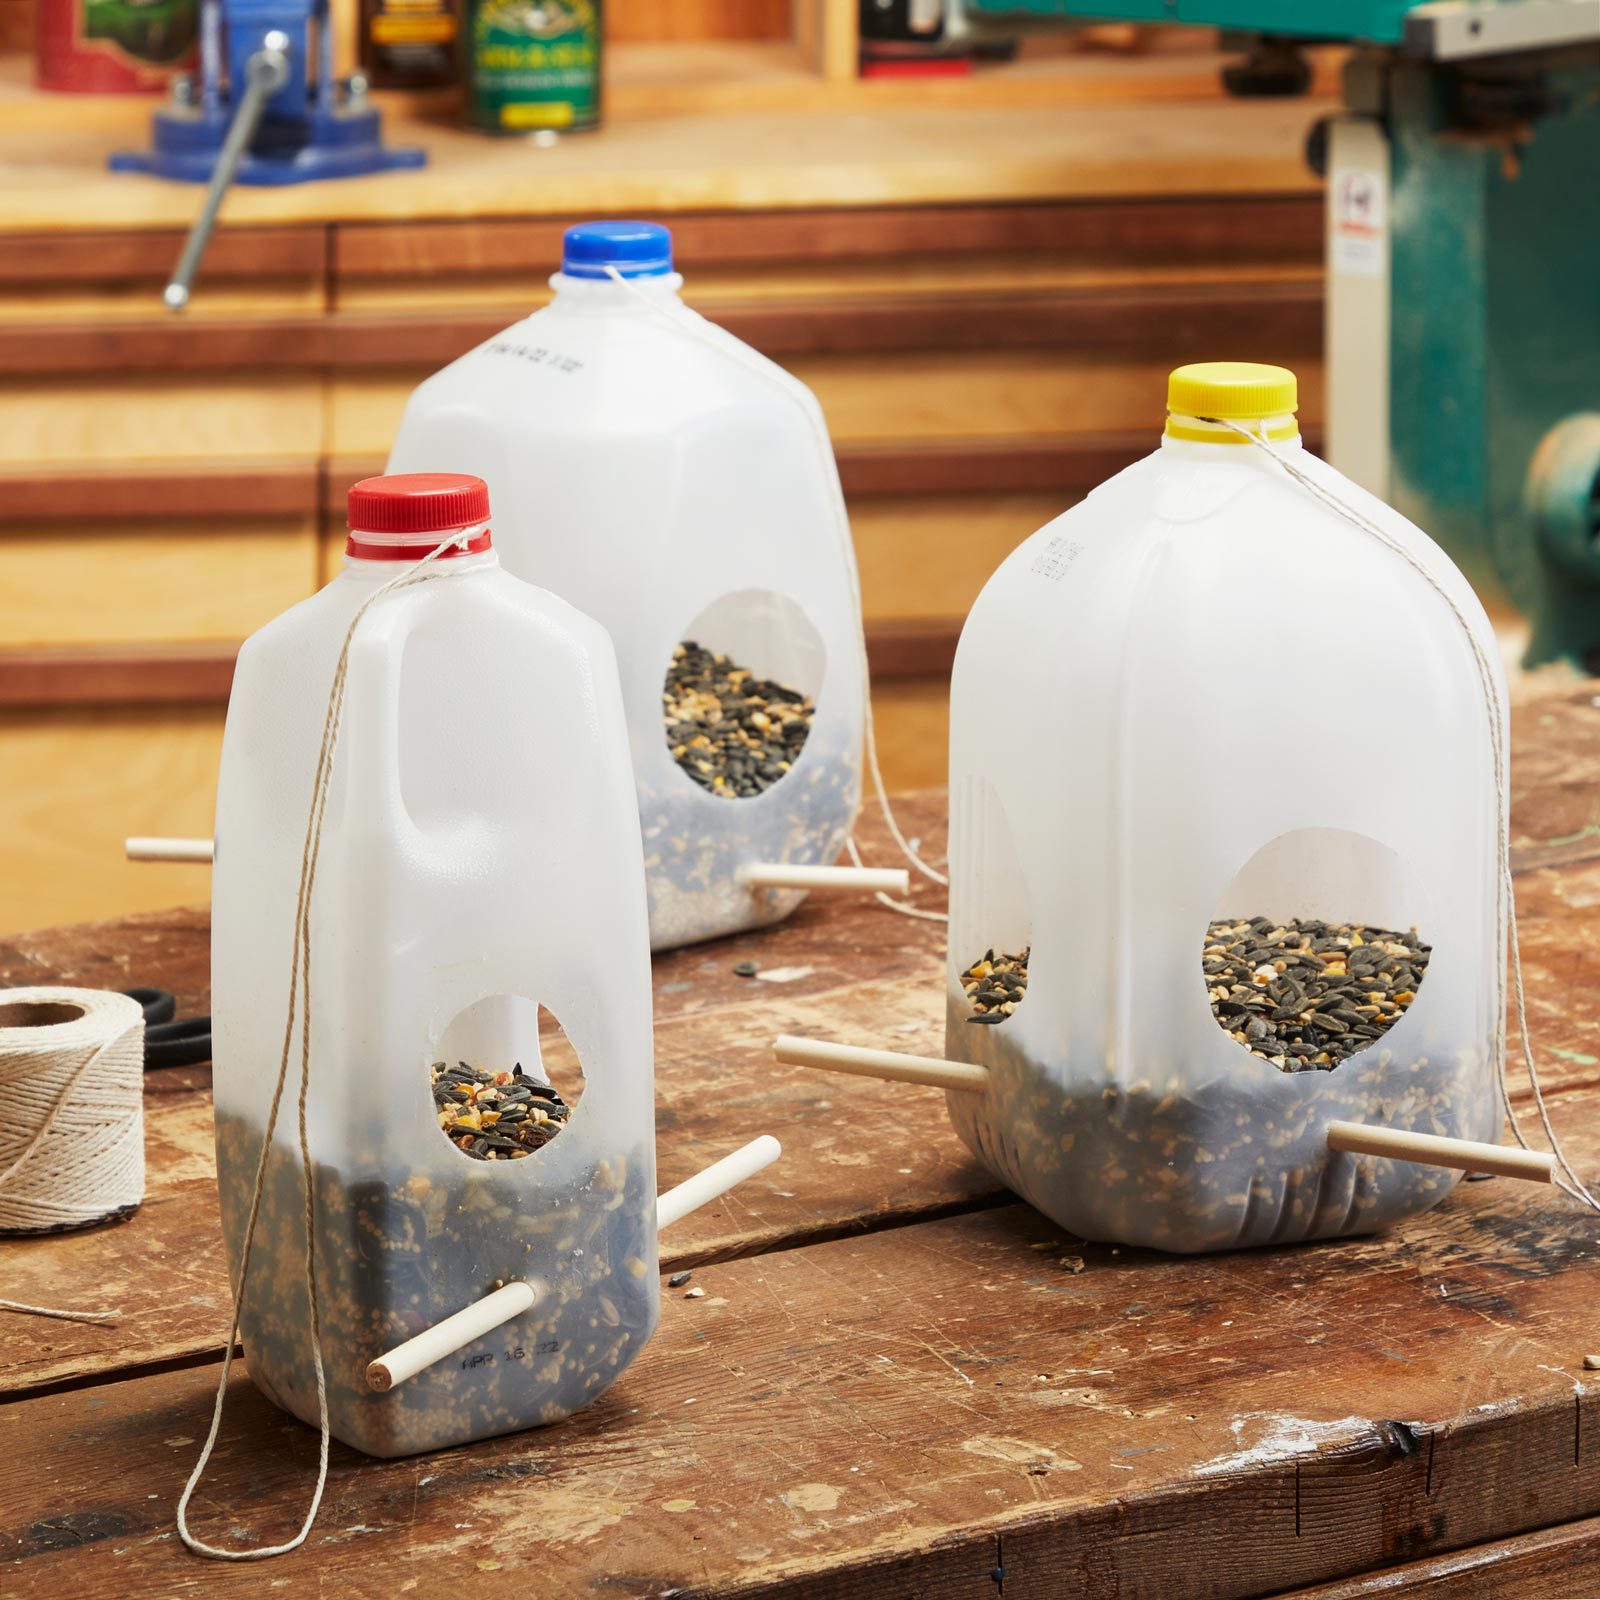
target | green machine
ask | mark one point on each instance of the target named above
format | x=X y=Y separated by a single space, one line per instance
x=1463 y=337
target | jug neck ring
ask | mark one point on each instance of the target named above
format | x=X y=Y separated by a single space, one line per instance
x=362 y=545
x=1205 y=430
x=381 y=570
x=609 y=295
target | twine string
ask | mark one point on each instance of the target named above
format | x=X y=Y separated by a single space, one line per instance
x=71 y=1121
x=1566 y=1177
x=61 y=1313
x=717 y=339
x=299 y=1001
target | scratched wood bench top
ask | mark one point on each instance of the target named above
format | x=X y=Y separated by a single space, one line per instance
x=897 y=1382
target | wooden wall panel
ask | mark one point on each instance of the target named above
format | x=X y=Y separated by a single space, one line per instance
x=912 y=716
x=158 y=417
x=1007 y=394
x=517 y=292
x=87 y=585
x=198 y=673
x=1011 y=394
x=76 y=783
x=70 y=304
x=900 y=398
x=929 y=556
x=364 y=410
x=1195 y=236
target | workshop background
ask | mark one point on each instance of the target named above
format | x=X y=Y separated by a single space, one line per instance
x=984 y=262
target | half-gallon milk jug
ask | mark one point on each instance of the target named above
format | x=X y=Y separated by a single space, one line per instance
x=479 y=859
x=680 y=489
x=1223 y=839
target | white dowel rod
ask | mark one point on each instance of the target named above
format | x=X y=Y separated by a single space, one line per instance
x=861 y=880
x=140 y=848
x=1466 y=1155
x=717 y=1179
x=445 y=1338
x=889 y=1065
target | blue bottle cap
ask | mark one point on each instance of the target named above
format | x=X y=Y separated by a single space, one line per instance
x=635 y=249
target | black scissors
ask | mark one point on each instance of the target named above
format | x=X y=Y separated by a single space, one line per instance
x=168 y=1042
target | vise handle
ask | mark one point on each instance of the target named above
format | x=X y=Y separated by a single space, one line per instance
x=268 y=71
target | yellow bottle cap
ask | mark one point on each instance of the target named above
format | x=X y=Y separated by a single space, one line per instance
x=1232 y=391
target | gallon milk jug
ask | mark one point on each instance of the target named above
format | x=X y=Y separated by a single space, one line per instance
x=1223 y=839
x=479 y=859
x=681 y=490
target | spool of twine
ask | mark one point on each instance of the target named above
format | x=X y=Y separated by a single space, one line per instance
x=71 y=1108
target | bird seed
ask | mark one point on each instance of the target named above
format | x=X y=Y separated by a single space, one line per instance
x=735 y=734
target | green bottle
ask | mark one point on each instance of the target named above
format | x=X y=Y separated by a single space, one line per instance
x=532 y=65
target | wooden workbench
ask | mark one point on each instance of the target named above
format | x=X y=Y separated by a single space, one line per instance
x=897 y=1384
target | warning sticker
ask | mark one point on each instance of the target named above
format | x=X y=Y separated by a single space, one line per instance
x=1360 y=223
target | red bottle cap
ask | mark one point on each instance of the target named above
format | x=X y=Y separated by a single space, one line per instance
x=403 y=516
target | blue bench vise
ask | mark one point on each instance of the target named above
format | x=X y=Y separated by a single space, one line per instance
x=266 y=110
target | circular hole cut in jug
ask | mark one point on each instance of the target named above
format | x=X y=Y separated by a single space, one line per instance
x=1314 y=953
x=739 y=693
x=505 y=1079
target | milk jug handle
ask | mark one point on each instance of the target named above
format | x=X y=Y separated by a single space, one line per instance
x=370 y=735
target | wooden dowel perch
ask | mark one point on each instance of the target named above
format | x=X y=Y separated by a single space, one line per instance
x=140 y=848
x=861 y=880
x=1466 y=1155
x=445 y=1338
x=718 y=1178
x=511 y=1300
x=889 y=1065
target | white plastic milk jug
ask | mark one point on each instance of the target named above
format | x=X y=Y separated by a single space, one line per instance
x=680 y=489
x=1224 y=823
x=479 y=859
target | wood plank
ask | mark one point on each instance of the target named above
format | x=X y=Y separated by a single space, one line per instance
x=931 y=395
x=137 y=492
x=75 y=585
x=1248 y=318
x=905 y=400
x=1563 y=1560
x=118 y=256
x=1555 y=780
x=927 y=557
x=159 y=415
x=199 y=673
x=1069 y=465
x=900 y=146
x=1258 y=230
x=912 y=647
x=937 y=1410
x=912 y=717
x=173 y=490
